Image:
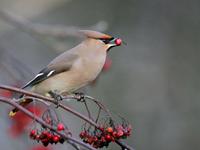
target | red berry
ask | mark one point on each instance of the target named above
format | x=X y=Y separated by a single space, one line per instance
x=56 y=138
x=44 y=133
x=95 y=139
x=60 y=127
x=42 y=136
x=120 y=133
x=118 y=42
x=103 y=139
x=82 y=134
x=109 y=129
x=49 y=135
x=90 y=140
x=101 y=128
x=37 y=137
x=127 y=131
x=108 y=138
x=114 y=134
x=33 y=132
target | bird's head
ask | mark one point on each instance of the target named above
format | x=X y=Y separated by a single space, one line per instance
x=105 y=39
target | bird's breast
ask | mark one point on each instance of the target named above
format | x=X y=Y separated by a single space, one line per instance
x=90 y=66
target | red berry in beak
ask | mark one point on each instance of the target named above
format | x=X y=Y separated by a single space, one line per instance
x=118 y=42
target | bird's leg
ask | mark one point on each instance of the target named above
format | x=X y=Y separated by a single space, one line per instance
x=56 y=96
x=80 y=96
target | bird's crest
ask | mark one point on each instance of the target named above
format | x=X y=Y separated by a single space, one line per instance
x=94 y=34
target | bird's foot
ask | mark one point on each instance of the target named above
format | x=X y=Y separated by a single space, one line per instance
x=57 y=97
x=80 y=96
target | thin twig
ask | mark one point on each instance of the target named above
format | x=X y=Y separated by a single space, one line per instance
x=98 y=115
x=99 y=104
x=88 y=111
x=124 y=146
x=37 y=99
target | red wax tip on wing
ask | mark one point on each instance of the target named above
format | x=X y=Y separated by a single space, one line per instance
x=118 y=41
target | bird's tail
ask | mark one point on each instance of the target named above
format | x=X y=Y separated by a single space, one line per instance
x=23 y=102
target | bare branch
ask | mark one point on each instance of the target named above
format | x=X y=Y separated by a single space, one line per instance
x=37 y=99
x=47 y=30
x=124 y=146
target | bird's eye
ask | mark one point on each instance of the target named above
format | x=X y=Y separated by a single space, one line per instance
x=106 y=41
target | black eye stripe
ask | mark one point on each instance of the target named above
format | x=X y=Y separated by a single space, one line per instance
x=106 y=41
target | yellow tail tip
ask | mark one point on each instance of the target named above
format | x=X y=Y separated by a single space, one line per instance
x=11 y=114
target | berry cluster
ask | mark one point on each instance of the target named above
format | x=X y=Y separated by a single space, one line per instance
x=101 y=137
x=46 y=136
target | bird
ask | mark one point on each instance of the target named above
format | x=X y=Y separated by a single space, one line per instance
x=74 y=68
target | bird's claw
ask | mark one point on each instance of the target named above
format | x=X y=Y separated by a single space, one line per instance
x=57 y=97
x=80 y=96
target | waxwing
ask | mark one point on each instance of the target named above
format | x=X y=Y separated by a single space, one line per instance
x=73 y=69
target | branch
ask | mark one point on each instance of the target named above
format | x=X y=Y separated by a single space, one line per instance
x=51 y=100
x=47 y=30
x=124 y=146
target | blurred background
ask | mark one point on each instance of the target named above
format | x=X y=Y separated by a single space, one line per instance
x=152 y=82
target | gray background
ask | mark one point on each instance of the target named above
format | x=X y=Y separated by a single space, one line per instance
x=154 y=80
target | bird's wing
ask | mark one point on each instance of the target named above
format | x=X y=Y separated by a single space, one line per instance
x=60 y=64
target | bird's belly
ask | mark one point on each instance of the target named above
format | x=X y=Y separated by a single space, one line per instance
x=65 y=82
